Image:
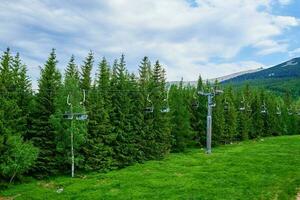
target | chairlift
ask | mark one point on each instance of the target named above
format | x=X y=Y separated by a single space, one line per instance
x=290 y=111
x=83 y=100
x=249 y=108
x=149 y=109
x=81 y=116
x=165 y=110
x=278 y=111
x=298 y=112
x=166 y=107
x=264 y=109
x=68 y=116
x=226 y=104
x=242 y=107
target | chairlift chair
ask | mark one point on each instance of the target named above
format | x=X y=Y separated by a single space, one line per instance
x=68 y=116
x=150 y=108
x=290 y=111
x=165 y=110
x=249 y=108
x=81 y=116
x=242 y=108
x=264 y=109
x=226 y=105
x=166 y=107
x=278 y=111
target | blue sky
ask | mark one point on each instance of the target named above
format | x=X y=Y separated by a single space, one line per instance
x=189 y=37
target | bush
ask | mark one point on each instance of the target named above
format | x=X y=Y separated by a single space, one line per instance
x=17 y=158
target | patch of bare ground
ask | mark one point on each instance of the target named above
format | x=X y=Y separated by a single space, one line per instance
x=10 y=198
x=298 y=196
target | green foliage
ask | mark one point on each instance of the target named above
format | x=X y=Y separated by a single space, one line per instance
x=198 y=109
x=17 y=157
x=70 y=91
x=98 y=150
x=86 y=68
x=248 y=170
x=181 y=132
x=42 y=132
x=130 y=118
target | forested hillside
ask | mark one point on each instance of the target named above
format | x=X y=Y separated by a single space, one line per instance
x=116 y=118
x=281 y=78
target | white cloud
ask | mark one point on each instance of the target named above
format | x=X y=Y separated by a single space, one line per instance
x=179 y=35
x=295 y=53
x=284 y=2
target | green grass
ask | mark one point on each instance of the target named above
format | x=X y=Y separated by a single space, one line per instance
x=267 y=169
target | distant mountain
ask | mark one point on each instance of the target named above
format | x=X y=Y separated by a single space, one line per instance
x=289 y=69
x=219 y=79
x=231 y=76
x=280 y=78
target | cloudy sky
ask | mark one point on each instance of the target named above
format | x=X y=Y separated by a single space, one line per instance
x=211 y=37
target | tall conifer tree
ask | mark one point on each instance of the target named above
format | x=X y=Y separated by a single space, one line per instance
x=42 y=131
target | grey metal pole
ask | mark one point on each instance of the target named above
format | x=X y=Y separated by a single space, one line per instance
x=209 y=124
x=72 y=142
x=72 y=148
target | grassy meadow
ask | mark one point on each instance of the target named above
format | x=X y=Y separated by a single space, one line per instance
x=267 y=168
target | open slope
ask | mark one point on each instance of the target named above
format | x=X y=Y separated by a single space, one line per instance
x=262 y=169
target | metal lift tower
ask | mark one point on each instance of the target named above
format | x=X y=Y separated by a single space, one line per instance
x=210 y=105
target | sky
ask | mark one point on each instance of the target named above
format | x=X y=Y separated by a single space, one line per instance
x=189 y=37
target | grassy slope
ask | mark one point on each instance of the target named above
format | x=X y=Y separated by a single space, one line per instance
x=268 y=169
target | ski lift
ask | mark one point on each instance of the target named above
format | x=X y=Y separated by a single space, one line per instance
x=71 y=115
x=166 y=108
x=81 y=116
x=298 y=112
x=290 y=111
x=242 y=107
x=264 y=109
x=82 y=102
x=249 y=108
x=149 y=109
x=68 y=116
x=278 y=110
x=226 y=104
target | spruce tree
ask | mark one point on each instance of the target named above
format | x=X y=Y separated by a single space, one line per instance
x=199 y=112
x=181 y=132
x=257 y=116
x=98 y=150
x=230 y=129
x=8 y=99
x=86 y=68
x=243 y=115
x=147 y=118
x=23 y=93
x=42 y=132
x=218 y=121
x=161 y=123
x=122 y=146
x=71 y=70
x=17 y=155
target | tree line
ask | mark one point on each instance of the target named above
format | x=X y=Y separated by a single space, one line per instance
x=131 y=118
